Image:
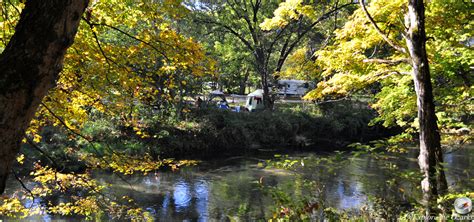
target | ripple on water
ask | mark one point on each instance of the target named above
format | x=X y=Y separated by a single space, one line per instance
x=181 y=195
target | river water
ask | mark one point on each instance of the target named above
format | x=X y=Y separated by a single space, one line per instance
x=232 y=188
x=240 y=188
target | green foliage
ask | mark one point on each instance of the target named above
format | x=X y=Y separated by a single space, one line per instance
x=266 y=33
x=235 y=65
x=122 y=100
x=395 y=197
x=350 y=64
x=298 y=207
x=211 y=129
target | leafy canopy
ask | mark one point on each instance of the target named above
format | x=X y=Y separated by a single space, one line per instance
x=360 y=61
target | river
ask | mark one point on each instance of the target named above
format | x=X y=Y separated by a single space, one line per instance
x=240 y=188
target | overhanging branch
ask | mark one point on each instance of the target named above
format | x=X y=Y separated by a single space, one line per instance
x=385 y=37
x=231 y=30
x=387 y=61
x=285 y=54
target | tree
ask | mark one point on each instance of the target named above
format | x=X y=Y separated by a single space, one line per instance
x=125 y=69
x=120 y=63
x=270 y=41
x=367 y=53
x=29 y=67
x=235 y=65
x=128 y=65
x=431 y=156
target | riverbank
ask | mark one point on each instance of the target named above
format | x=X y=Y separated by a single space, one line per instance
x=213 y=133
x=209 y=132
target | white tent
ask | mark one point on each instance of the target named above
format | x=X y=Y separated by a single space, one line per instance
x=255 y=101
x=256 y=93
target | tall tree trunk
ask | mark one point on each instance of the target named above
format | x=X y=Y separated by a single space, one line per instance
x=243 y=82
x=29 y=67
x=262 y=69
x=430 y=157
x=267 y=99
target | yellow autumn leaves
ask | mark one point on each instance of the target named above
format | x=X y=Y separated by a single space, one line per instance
x=119 y=60
x=287 y=11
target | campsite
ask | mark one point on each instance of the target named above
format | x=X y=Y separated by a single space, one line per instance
x=236 y=110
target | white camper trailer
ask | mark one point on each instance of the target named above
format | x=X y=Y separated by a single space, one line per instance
x=255 y=101
x=292 y=87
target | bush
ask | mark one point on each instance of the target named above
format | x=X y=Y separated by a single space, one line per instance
x=216 y=131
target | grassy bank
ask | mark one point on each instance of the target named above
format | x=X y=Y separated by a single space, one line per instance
x=212 y=132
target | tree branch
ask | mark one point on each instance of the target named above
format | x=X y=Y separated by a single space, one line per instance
x=126 y=34
x=23 y=185
x=300 y=36
x=235 y=33
x=387 y=61
x=90 y=141
x=333 y=100
x=386 y=74
x=37 y=148
x=385 y=37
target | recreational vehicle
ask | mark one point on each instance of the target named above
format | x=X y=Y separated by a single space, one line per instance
x=292 y=87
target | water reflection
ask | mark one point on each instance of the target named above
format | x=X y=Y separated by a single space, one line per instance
x=460 y=167
x=349 y=195
x=181 y=195
x=201 y=189
x=229 y=189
